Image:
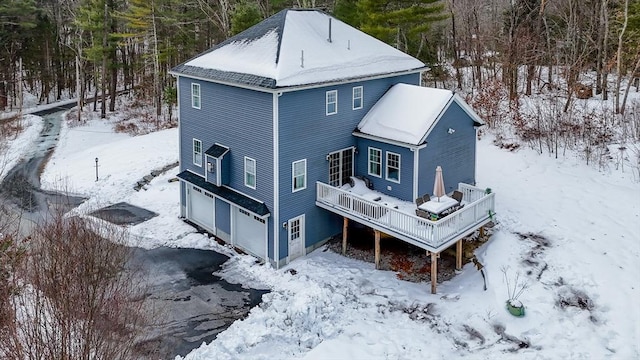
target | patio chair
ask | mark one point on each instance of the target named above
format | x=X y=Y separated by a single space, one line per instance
x=422 y=213
x=426 y=197
x=419 y=201
x=457 y=195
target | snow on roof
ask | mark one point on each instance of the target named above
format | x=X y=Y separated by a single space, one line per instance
x=294 y=47
x=405 y=113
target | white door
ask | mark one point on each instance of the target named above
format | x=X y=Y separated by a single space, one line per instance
x=201 y=208
x=250 y=232
x=340 y=167
x=296 y=237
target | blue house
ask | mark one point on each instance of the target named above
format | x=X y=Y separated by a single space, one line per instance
x=277 y=122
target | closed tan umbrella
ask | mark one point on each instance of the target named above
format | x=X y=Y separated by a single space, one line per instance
x=438 y=184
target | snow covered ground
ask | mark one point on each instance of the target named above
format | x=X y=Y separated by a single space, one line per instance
x=571 y=231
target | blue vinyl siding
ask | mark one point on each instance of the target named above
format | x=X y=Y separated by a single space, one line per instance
x=223 y=216
x=306 y=132
x=238 y=118
x=456 y=152
x=403 y=190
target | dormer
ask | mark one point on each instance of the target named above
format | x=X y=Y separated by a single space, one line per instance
x=217 y=165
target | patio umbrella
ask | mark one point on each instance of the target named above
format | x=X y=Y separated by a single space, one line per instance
x=438 y=184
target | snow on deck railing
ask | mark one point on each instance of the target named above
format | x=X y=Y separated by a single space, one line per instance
x=479 y=206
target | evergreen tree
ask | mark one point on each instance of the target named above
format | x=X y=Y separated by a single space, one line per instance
x=245 y=15
x=403 y=24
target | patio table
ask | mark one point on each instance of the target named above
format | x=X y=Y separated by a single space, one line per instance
x=436 y=206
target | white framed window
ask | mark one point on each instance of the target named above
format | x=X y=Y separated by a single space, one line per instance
x=195 y=96
x=197 y=152
x=375 y=162
x=357 y=97
x=250 y=172
x=332 y=102
x=393 y=167
x=299 y=175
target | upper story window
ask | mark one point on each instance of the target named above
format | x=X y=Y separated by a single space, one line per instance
x=195 y=96
x=299 y=171
x=250 y=172
x=332 y=102
x=375 y=162
x=393 y=167
x=197 y=152
x=357 y=97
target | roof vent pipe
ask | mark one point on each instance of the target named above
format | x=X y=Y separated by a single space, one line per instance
x=329 y=39
x=348 y=44
x=301 y=58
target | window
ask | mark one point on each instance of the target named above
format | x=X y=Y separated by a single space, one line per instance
x=357 y=97
x=249 y=172
x=393 y=167
x=332 y=102
x=195 y=96
x=299 y=171
x=375 y=162
x=197 y=152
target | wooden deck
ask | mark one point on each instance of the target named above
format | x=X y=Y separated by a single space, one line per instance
x=398 y=219
x=433 y=236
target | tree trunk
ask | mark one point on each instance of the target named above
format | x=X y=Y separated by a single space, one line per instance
x=103 y=77
x=636 y=68
x=619 y=56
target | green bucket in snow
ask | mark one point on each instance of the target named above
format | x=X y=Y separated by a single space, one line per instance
x=515 y=307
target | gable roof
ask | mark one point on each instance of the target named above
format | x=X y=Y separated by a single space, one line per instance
x=407 y=113
x=295 y=47
x=217 y=150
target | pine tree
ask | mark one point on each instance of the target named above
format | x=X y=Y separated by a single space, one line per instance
x=403 y=24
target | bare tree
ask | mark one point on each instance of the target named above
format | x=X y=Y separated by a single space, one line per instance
x=80 y=300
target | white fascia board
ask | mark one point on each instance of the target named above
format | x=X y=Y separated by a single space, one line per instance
x=388 y=141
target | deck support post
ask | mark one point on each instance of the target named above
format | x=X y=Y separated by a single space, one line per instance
x=434 y=272
x=345 y=227
x=459 y=255
x=377 y=248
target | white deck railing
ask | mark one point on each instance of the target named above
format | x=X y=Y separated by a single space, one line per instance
x=478 y=208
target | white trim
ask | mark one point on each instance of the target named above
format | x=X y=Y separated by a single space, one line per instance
x=293 y=175
x=193 y=152
x=327 y=103
x=416 y=168
x=386 y=166
x=309 y=86
x=387 y=141
x=179 y=127
x=369 y=161
x=199 y=96
x=255 y=172
x=276 y=182
x=353 y=97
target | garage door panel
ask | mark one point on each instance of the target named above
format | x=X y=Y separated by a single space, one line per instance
x=250 y=233
x=201 y=208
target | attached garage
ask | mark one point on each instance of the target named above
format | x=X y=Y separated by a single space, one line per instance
x=230 y=216
x=250 y=233
x=201 y=210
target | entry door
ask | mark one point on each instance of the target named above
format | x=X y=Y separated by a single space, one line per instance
x=340 y=167
x=296 y=237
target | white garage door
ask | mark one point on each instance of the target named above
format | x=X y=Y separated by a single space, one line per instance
x=250 y=233
x=201 y=208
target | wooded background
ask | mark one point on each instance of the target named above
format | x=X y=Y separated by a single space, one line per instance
x=57 y=49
